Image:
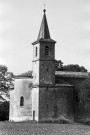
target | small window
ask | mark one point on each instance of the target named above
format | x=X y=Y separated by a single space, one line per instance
x=36 y=52
x=21 y=101
x=46 y=50
x=33 y=114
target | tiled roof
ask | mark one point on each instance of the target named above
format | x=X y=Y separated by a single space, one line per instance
x=72 y=74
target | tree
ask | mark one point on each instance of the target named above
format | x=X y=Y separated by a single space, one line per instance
x=4 y=111
x=71 y=67
x=74 y=68
x=3 y=69
x=6 y=78
x=6 y=83
x=58 y=65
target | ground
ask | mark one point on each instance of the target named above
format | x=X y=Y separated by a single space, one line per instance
x=27 y=128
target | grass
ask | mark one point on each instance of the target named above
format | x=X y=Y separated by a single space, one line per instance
x=27 y=128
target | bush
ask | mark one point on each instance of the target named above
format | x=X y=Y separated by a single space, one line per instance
x=4 y=111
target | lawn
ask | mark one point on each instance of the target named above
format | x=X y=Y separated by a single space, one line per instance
x=27 y=128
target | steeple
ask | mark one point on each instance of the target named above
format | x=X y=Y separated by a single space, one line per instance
x=44 y=30
x=44 y=34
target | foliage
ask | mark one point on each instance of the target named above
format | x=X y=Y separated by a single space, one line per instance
x=6 y=78
x=26 y=74
x=71 y=67
x=6 y=83
x=3 y=69
x=74 y=68
x=4 y=111
x=58 y=65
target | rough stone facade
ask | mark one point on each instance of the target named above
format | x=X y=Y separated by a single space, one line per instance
x=56 y=103
x=81 y=94
x=47 y=73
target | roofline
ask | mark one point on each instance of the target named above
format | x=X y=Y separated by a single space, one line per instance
x=43 y=40
x=23 y=77
x=72 y=74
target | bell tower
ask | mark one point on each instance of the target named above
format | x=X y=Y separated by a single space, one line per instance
x=43 y=68
x=44 y=57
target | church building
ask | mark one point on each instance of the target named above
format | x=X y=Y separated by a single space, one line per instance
x=46 y=94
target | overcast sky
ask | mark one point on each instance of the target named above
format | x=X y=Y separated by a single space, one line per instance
x=69 y=25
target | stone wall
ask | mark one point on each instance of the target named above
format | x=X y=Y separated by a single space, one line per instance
x=51 y=48
x=47 y=73
x=81 y=97
x=22 y=89
x=11 y=107
x=56 y=104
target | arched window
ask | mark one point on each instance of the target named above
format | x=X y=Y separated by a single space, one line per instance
x=21 y=101
x=36 y=52
x=46 y=50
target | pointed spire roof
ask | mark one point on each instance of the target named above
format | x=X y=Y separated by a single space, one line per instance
x=44 y=34
x=44 y=30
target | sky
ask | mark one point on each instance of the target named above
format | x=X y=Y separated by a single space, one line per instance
x=69 y=25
